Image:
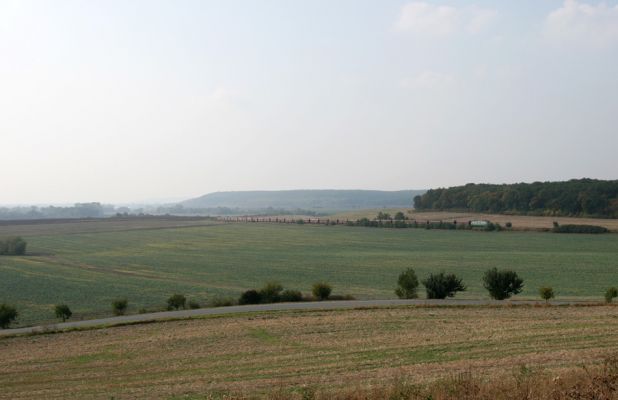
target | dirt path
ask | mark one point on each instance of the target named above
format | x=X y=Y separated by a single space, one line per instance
x=323 y=305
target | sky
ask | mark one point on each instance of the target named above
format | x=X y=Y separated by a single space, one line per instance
x=131 y=101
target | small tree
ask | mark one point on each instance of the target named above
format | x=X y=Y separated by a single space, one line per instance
x=63 y=311
x=271 y=292
x=546 y=293
x=8 y=315
x=502 y=284
x=441 y=286
x=383 y=215
x=399 y=216
x=407 y=285
x=611 y=294
x=321 y=290
x=176 y=301
x=250 y=297
x=119 y=306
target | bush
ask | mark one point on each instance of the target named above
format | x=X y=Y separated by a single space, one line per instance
x=271 y=292
x=250 y=297
x=119 y=306
x=290 y=296
x=611 y=294
x=321 y=290
x=399 y=216
x=222 y=302
x=502 y=284
x=8 y=315
x=63 y=311
x=176 y=301
x=441 y=286
x=13 y=246
x=194 y=305
x=300 y=221
x=546 y=293
x=509 y=225
x=407 y=285
x=579 y=229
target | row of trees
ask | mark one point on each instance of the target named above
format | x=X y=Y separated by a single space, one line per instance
x=79 y=210
x=404 y=223
x=13 y=246
x=576 y=197
x=500 y=284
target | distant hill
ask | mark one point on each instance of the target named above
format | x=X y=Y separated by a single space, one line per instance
x=306 y=199
x=577 y=197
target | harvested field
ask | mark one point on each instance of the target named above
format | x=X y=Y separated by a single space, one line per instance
x=335 y=350
x=520 y=222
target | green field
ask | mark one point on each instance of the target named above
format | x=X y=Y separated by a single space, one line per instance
x=88 y=270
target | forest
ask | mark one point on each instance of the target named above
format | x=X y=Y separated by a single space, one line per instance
x=576 y=197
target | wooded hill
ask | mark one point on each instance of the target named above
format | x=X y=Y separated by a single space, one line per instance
x=577 y=197
x=306 y=199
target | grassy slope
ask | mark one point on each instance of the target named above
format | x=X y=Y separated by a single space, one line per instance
x=186 y=359
x=88 y=270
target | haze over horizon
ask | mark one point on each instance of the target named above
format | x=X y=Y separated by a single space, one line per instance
x=122 y=102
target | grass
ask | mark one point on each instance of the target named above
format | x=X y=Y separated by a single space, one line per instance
x=317 y=350
x=88 y=270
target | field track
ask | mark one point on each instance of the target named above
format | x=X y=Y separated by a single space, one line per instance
x=325 y=305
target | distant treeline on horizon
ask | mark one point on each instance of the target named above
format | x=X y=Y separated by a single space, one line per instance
x=577 y=197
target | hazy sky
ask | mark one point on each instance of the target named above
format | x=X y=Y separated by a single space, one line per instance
x=119 y=101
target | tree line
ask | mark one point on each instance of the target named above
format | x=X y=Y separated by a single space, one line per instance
x=577 y=197
x=79 y=210
x=501 y=285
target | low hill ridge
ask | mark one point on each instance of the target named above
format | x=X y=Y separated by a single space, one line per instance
x=306 y=199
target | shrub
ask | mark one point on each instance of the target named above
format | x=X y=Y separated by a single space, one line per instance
x=321 y=290
x=222 y=302
x=271 y=292
x=407 y=285
x=8 y=315
x=610 y=294
x=502 y=284
x=399 y=216
x=441 y=286
x=250 y=297
x=546 y=293
x=13 y=246
x=579 y=229
x=63 y=311
x=291 y=296
x=119 y=306
x=300 y=221
x=176 y=301
x=194 y=305
x=400 y=224
x=509 y=225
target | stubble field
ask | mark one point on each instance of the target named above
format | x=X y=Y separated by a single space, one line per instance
x=293 y=352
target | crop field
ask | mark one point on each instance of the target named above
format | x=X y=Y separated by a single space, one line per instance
x=296 y=351
x=88 y=270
